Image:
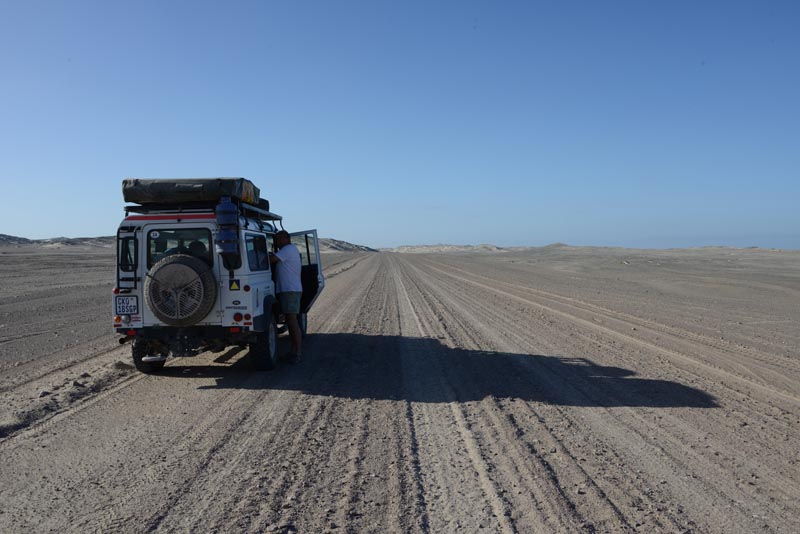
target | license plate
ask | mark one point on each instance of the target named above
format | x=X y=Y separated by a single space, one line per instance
x=127 y=305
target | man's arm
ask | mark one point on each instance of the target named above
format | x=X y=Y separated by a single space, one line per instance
x=273 y=258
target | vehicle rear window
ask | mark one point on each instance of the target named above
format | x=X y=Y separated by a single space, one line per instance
x=192 y=241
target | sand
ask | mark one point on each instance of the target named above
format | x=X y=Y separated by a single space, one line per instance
x=557 y=389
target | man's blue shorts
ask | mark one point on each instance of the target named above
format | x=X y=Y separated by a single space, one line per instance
x=290 y=301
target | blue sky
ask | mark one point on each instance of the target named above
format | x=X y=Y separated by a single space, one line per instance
x=651 y=124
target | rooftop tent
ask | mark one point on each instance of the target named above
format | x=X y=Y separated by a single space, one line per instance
x=179 y=190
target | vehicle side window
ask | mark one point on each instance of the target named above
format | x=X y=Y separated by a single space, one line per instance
x=191 y=241
x=256 y=247
x=126 y=255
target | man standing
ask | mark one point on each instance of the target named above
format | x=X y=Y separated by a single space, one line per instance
x=288 y=287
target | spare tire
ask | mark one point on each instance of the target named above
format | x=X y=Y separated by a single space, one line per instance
x=180 y=290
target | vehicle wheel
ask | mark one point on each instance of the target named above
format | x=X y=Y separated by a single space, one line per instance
x=180 y=290
x=264 y=351
x=302 y=320
x=140 y=349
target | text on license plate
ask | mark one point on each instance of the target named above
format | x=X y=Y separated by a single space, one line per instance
x=127 y=305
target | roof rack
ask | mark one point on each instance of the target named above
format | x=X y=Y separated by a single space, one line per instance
x=200 y=207
x=260 y=214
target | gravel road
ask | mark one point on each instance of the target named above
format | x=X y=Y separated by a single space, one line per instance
x=555 y=390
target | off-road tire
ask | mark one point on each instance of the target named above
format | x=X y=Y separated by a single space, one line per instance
x=140 y=349
x=180 y=290
x=264 y=350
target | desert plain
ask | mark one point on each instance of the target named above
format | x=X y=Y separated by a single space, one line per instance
x=554 y=389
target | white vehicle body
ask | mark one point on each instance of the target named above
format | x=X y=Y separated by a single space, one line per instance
x=171 y=265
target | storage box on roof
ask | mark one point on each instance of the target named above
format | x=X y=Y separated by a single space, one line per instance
x=180 y=190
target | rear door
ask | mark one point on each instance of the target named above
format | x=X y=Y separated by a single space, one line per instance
x=311 y=273
x=163 y=238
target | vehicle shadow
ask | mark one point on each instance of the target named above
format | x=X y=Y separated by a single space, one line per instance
x=357 y=366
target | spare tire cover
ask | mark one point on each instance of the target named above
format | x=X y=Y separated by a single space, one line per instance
x=180 y=290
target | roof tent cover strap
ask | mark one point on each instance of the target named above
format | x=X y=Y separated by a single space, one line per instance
x=171 y=190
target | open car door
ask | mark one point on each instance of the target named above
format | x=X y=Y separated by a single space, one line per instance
x=311 y=273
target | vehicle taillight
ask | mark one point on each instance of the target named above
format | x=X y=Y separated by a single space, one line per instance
x=237 y=317
x=116 y=291
x=247 y=316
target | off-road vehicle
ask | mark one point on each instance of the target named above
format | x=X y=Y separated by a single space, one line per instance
x=193 y=273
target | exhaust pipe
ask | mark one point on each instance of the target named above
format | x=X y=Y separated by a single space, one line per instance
x=125 y=339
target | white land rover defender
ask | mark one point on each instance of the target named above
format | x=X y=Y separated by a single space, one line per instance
x=193 y=273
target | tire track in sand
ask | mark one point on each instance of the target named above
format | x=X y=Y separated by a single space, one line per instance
x=497 y=503
x=556 y=508
x=680 y=477
x=648 y=345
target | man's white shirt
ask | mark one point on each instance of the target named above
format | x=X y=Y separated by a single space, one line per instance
x=288 y=270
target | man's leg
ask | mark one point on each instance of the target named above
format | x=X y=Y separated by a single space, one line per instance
x=294 y=332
